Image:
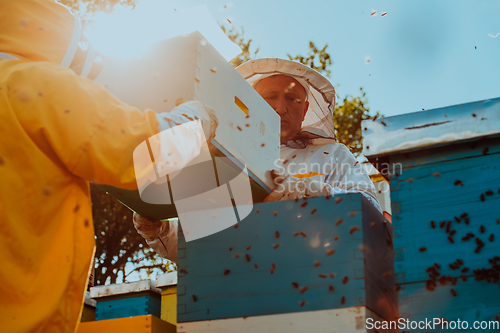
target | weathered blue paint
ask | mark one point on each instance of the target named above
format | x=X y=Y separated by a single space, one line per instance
x=128 y=305
x=427 y=192
x=474 y=301
x=205 y=292
x=438 y=184
x=458 y=111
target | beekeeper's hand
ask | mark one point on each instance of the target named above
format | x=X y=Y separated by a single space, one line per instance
x=289 y=187
x=160 y=235
x=195 y=110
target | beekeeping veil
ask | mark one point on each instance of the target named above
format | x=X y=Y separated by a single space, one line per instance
x=320 y=92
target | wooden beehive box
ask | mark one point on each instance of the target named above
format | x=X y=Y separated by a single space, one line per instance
x=444 y=171
x=188 y=68
x=127 y=300
x=316 y=263
x=138 y=324
x=167 y=283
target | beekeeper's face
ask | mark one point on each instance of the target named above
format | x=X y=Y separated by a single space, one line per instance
x=288 y=98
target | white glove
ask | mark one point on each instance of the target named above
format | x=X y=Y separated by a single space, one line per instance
x=194 y=110
x=160 y=235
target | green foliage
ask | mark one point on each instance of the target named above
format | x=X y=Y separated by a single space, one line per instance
x=239 y=39
x=84 y=9
x=347 y=115
x=117 y=241
x=314 y=56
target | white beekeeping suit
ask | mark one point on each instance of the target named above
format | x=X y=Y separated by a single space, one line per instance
x=316 y=164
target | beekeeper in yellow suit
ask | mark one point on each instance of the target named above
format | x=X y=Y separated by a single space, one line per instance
x=58 y=131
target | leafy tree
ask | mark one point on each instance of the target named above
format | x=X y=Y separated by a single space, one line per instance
x=117 y=241
x=239 y=39
x=347 y=115
x=315 y=54
x=85 y=9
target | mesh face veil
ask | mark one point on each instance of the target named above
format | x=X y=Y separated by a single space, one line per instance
x=320 y=92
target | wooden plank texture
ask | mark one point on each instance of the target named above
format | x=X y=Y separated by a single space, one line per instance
x=459 y=183
x=135 y=304
x=345 y=320
x=250 y=270
x=428 y=193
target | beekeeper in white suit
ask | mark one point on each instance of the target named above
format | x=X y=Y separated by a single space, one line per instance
x=312 y=162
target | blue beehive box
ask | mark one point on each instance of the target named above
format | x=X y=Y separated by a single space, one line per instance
x=316 y=263
x=444 y=171
x=126 y=300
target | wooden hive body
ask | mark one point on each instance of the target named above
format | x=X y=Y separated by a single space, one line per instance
x=446 y=181
x=126 y=300
x=249 y=271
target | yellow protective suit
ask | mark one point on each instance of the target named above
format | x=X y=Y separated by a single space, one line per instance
x=58 y=131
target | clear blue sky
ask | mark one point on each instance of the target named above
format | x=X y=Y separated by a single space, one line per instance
x=423 y=54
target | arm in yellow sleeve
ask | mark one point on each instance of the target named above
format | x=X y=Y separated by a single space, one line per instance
x=77 y=123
